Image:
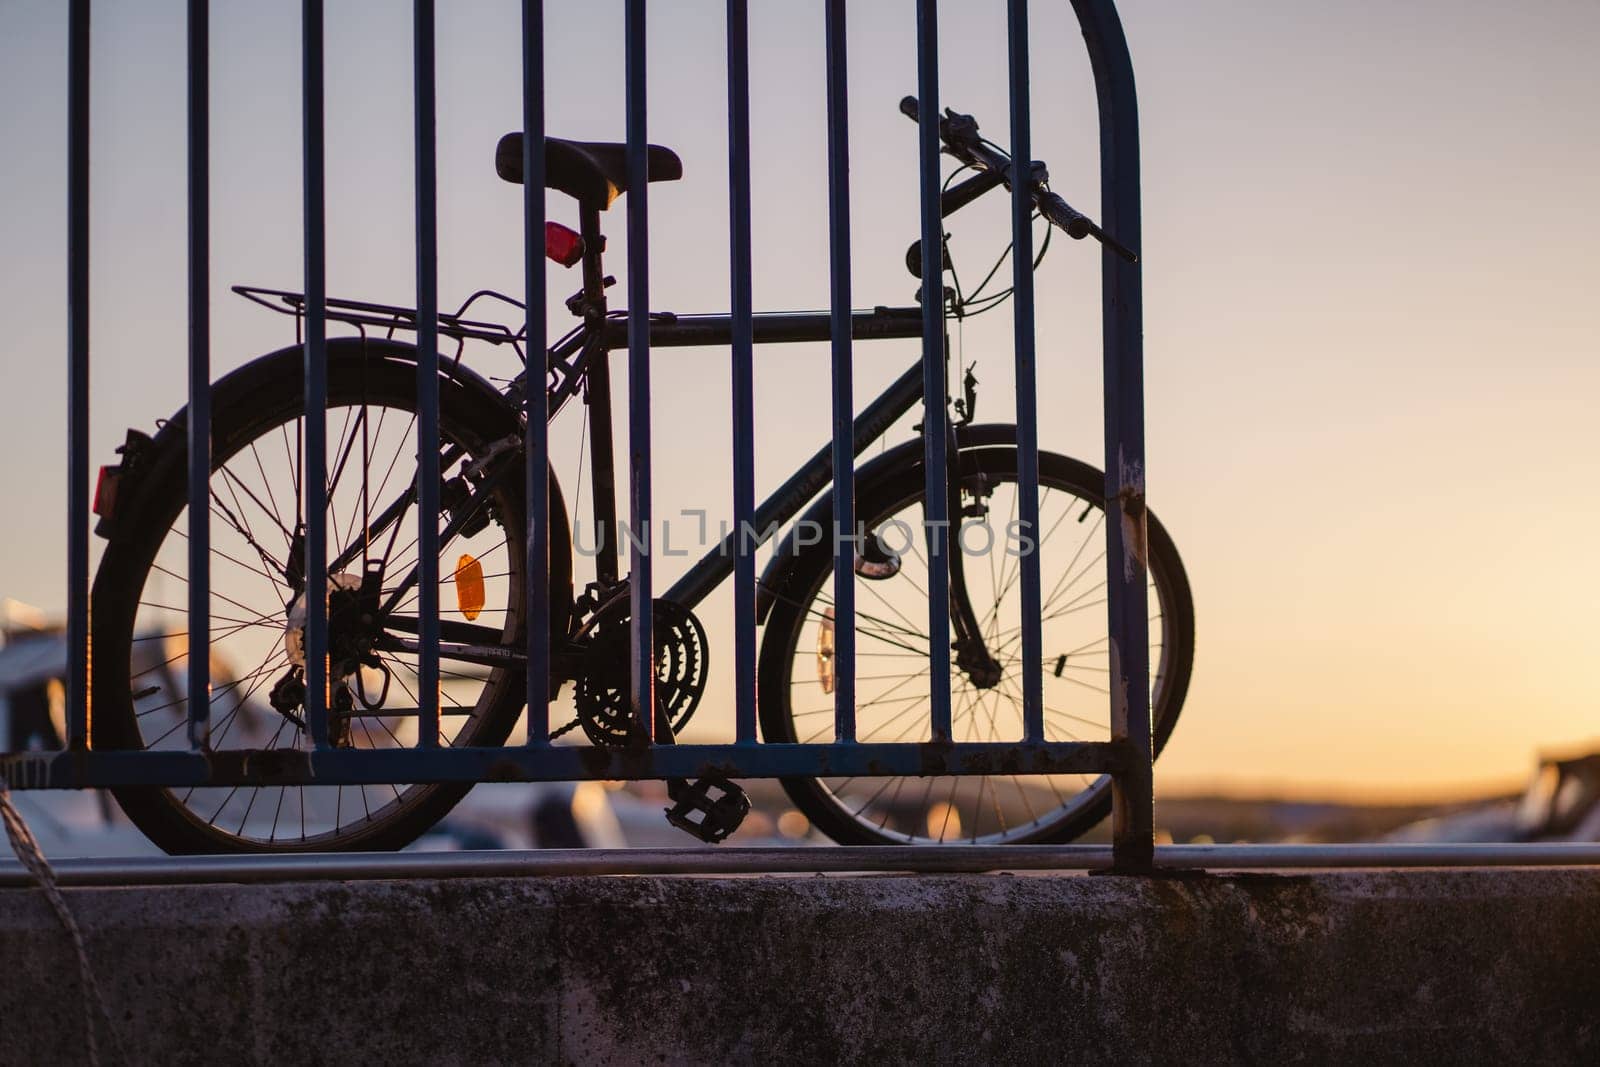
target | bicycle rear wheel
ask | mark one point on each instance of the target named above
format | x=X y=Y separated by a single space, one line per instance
x=892 y=658
x=140 y=625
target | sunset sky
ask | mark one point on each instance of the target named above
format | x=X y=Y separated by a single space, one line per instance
x=1373 y=349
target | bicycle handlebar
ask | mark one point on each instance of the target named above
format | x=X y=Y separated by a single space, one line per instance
x=1064 y=215
x=960 y=136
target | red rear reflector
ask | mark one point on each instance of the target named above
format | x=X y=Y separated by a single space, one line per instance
x=561 y=244
x=105 y=491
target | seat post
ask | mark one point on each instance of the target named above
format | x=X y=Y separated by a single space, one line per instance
x=599 y=397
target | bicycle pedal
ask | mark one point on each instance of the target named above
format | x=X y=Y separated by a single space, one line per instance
x=720 y=816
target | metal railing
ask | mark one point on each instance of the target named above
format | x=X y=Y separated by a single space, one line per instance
x=970 y=859
x=1126 y=756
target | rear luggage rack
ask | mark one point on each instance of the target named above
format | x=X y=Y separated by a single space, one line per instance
x=391 y=318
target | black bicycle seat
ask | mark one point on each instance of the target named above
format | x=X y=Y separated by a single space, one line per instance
x=592 y=171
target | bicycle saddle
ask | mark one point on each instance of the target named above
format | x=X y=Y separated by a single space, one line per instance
x=592 y=171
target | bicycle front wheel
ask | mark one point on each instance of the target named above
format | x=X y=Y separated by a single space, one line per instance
x=892 y=649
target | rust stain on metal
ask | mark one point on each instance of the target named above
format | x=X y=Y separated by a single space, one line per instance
x=935 y=758
x=713 y=769
x=1038 y=759
x=626 y=763
x=1119 y=692
x=506 y=770
x=1009 y=761
x=597 y=761
x=267 y=766
x=1130 y=501
x=1122 y=756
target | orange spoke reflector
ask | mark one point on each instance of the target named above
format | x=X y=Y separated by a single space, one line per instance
x=469 y=587
x=825 y=671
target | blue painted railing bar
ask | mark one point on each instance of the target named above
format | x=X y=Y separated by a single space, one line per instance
x=936 y=509
x=536 y=445
x=566 y=763
x=199 y=583
x=642 y=643
x=844 y=405
x=427 y=197
x=315 y=466
x=1122 y=312
x=743 y=363
x=78 y=374
x=1027 y=385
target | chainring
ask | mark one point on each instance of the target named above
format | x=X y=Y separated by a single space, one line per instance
x=605 y=710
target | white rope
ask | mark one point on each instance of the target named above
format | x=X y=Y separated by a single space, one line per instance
x=27 y=849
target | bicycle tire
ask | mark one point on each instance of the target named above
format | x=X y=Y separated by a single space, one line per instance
x=795 y=609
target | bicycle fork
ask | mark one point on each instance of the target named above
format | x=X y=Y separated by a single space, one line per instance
x=972 y=653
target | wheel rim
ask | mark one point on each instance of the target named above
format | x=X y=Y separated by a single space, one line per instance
x=891 y=673
x=255 y=487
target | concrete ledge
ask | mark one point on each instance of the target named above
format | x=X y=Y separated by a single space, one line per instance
x=1383 y=966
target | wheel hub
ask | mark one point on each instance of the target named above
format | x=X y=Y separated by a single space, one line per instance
x=353 y=630
x=352 y=627
x=982 y=669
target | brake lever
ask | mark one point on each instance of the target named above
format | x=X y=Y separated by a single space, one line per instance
x=958 y=132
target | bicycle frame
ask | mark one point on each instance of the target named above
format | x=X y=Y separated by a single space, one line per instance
x=580 y=363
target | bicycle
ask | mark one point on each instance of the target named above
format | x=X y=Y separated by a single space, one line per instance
x=138 y=631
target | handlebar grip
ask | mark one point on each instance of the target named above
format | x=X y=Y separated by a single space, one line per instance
x=1064 y=215
x=908 y=108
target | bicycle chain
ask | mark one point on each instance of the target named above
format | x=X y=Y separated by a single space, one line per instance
x=567 y=729
x=690 y=657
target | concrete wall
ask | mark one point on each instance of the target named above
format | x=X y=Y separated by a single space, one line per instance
x=1420 y=966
